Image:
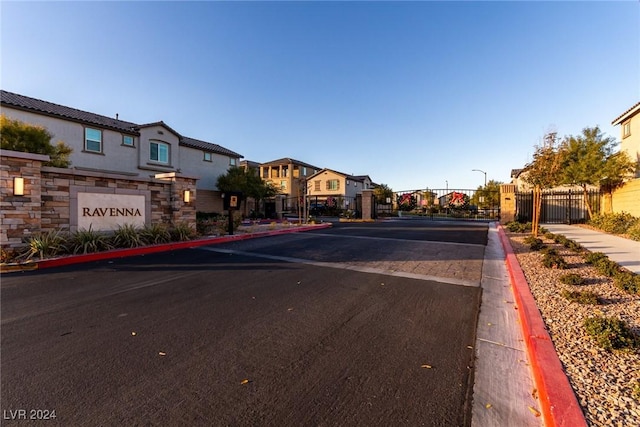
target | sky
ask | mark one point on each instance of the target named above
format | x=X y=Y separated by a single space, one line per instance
x=414 y=94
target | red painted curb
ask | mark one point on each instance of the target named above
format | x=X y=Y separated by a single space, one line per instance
x=558 y=402
x=120 y=253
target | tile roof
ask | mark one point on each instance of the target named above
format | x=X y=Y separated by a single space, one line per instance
x=621 y=117
x=287 y=160
x=49 y=108
x=208 y=146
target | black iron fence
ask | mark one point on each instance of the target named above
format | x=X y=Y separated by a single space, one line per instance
x=448 y=203
x=558 y=207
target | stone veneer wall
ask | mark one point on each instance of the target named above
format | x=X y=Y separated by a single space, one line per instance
x=50 y=201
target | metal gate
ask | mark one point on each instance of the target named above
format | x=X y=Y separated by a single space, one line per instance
x=558 y=207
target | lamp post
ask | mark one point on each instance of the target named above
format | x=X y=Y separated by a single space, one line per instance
x=485 y=176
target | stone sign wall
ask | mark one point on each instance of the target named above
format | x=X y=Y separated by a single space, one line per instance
x=70 y=199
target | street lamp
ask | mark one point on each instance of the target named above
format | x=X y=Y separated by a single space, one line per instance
x=485 y=176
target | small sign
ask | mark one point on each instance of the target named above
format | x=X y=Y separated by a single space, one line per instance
x=103 y=211
x=232 y=200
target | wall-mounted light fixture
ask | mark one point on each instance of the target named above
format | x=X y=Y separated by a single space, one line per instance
x=187 y=196
x=18 y=186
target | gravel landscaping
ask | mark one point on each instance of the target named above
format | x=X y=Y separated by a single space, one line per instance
x=606 y=383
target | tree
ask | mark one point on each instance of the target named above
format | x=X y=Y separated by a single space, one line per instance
x=544 y=171
x=589 y=160
x=382 y=192
x=487 y=196
x=248 y=182
x=27 y=138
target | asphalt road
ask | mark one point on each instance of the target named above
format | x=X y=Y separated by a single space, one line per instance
x=362 y=324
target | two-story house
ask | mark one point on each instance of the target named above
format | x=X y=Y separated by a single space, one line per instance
x=330 y=187
x=629 y=122
x=110 y=145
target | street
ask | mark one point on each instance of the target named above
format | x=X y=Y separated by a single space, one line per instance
x=360 y=324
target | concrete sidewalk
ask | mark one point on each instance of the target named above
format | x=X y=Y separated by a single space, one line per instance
x=625 y=252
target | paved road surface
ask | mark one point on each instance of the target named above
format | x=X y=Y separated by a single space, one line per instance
x=359 y=325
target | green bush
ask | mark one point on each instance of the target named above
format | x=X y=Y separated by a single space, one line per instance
x=634 y=231
x=551 y=260
x=44 y=245
x=594 y=257
x=581 y=297
x=518 y=227
x=534 y=243
x=549 y=251
x=181 y=232
x=572 y=279
x=127 y=236
x=574 y=246
x=610 y=333
x=627 y=281
x=607 y=267
x=635 y=390
x=616 y=223
x=153 y=234
x=86 y=241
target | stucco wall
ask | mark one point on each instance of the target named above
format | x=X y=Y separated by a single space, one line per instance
x=115 y=156
x=627 y=198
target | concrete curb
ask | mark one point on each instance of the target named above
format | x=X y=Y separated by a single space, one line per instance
x=121 y=253
x=558 y=402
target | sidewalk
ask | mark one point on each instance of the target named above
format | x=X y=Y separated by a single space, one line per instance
x=625 y=252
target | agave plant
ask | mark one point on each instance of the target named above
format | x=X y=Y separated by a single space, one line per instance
x=127 y=236
x=46 y=244
x=155 y=233
x=181 y=232
x=86 y=241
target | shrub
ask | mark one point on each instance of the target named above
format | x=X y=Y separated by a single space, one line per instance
x=518 y=227
x=607 y=267
x=616 y=223
x=594 y=257
x=627 y=281
x=46 y=244
x=549 y=236
x=549 y=251
x=554 y=261
x=635 y=390
x=152 y=234
x=87 y=241
x=610 y=333
x=181 y=232
x=634 y=231
x=572 y=279
x=534 y=243
x=127 y=236
x=581 y=297
x=574 y=246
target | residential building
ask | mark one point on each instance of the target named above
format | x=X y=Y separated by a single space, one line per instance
x=629 y=122
x=110 y=145
x=288 y=175
x=331 y=187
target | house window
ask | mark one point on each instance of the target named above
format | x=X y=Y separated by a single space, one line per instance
x=304 y=171
x=207 y=156
x=283 y=185
x=159 y=152
x=265 y=172
x=333 y=184
x=232 y=161
x=93 y=140
x=127 y=140
x=626 y=129
x=316 y=185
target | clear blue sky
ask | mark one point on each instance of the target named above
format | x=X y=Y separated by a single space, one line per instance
x=413 y=94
